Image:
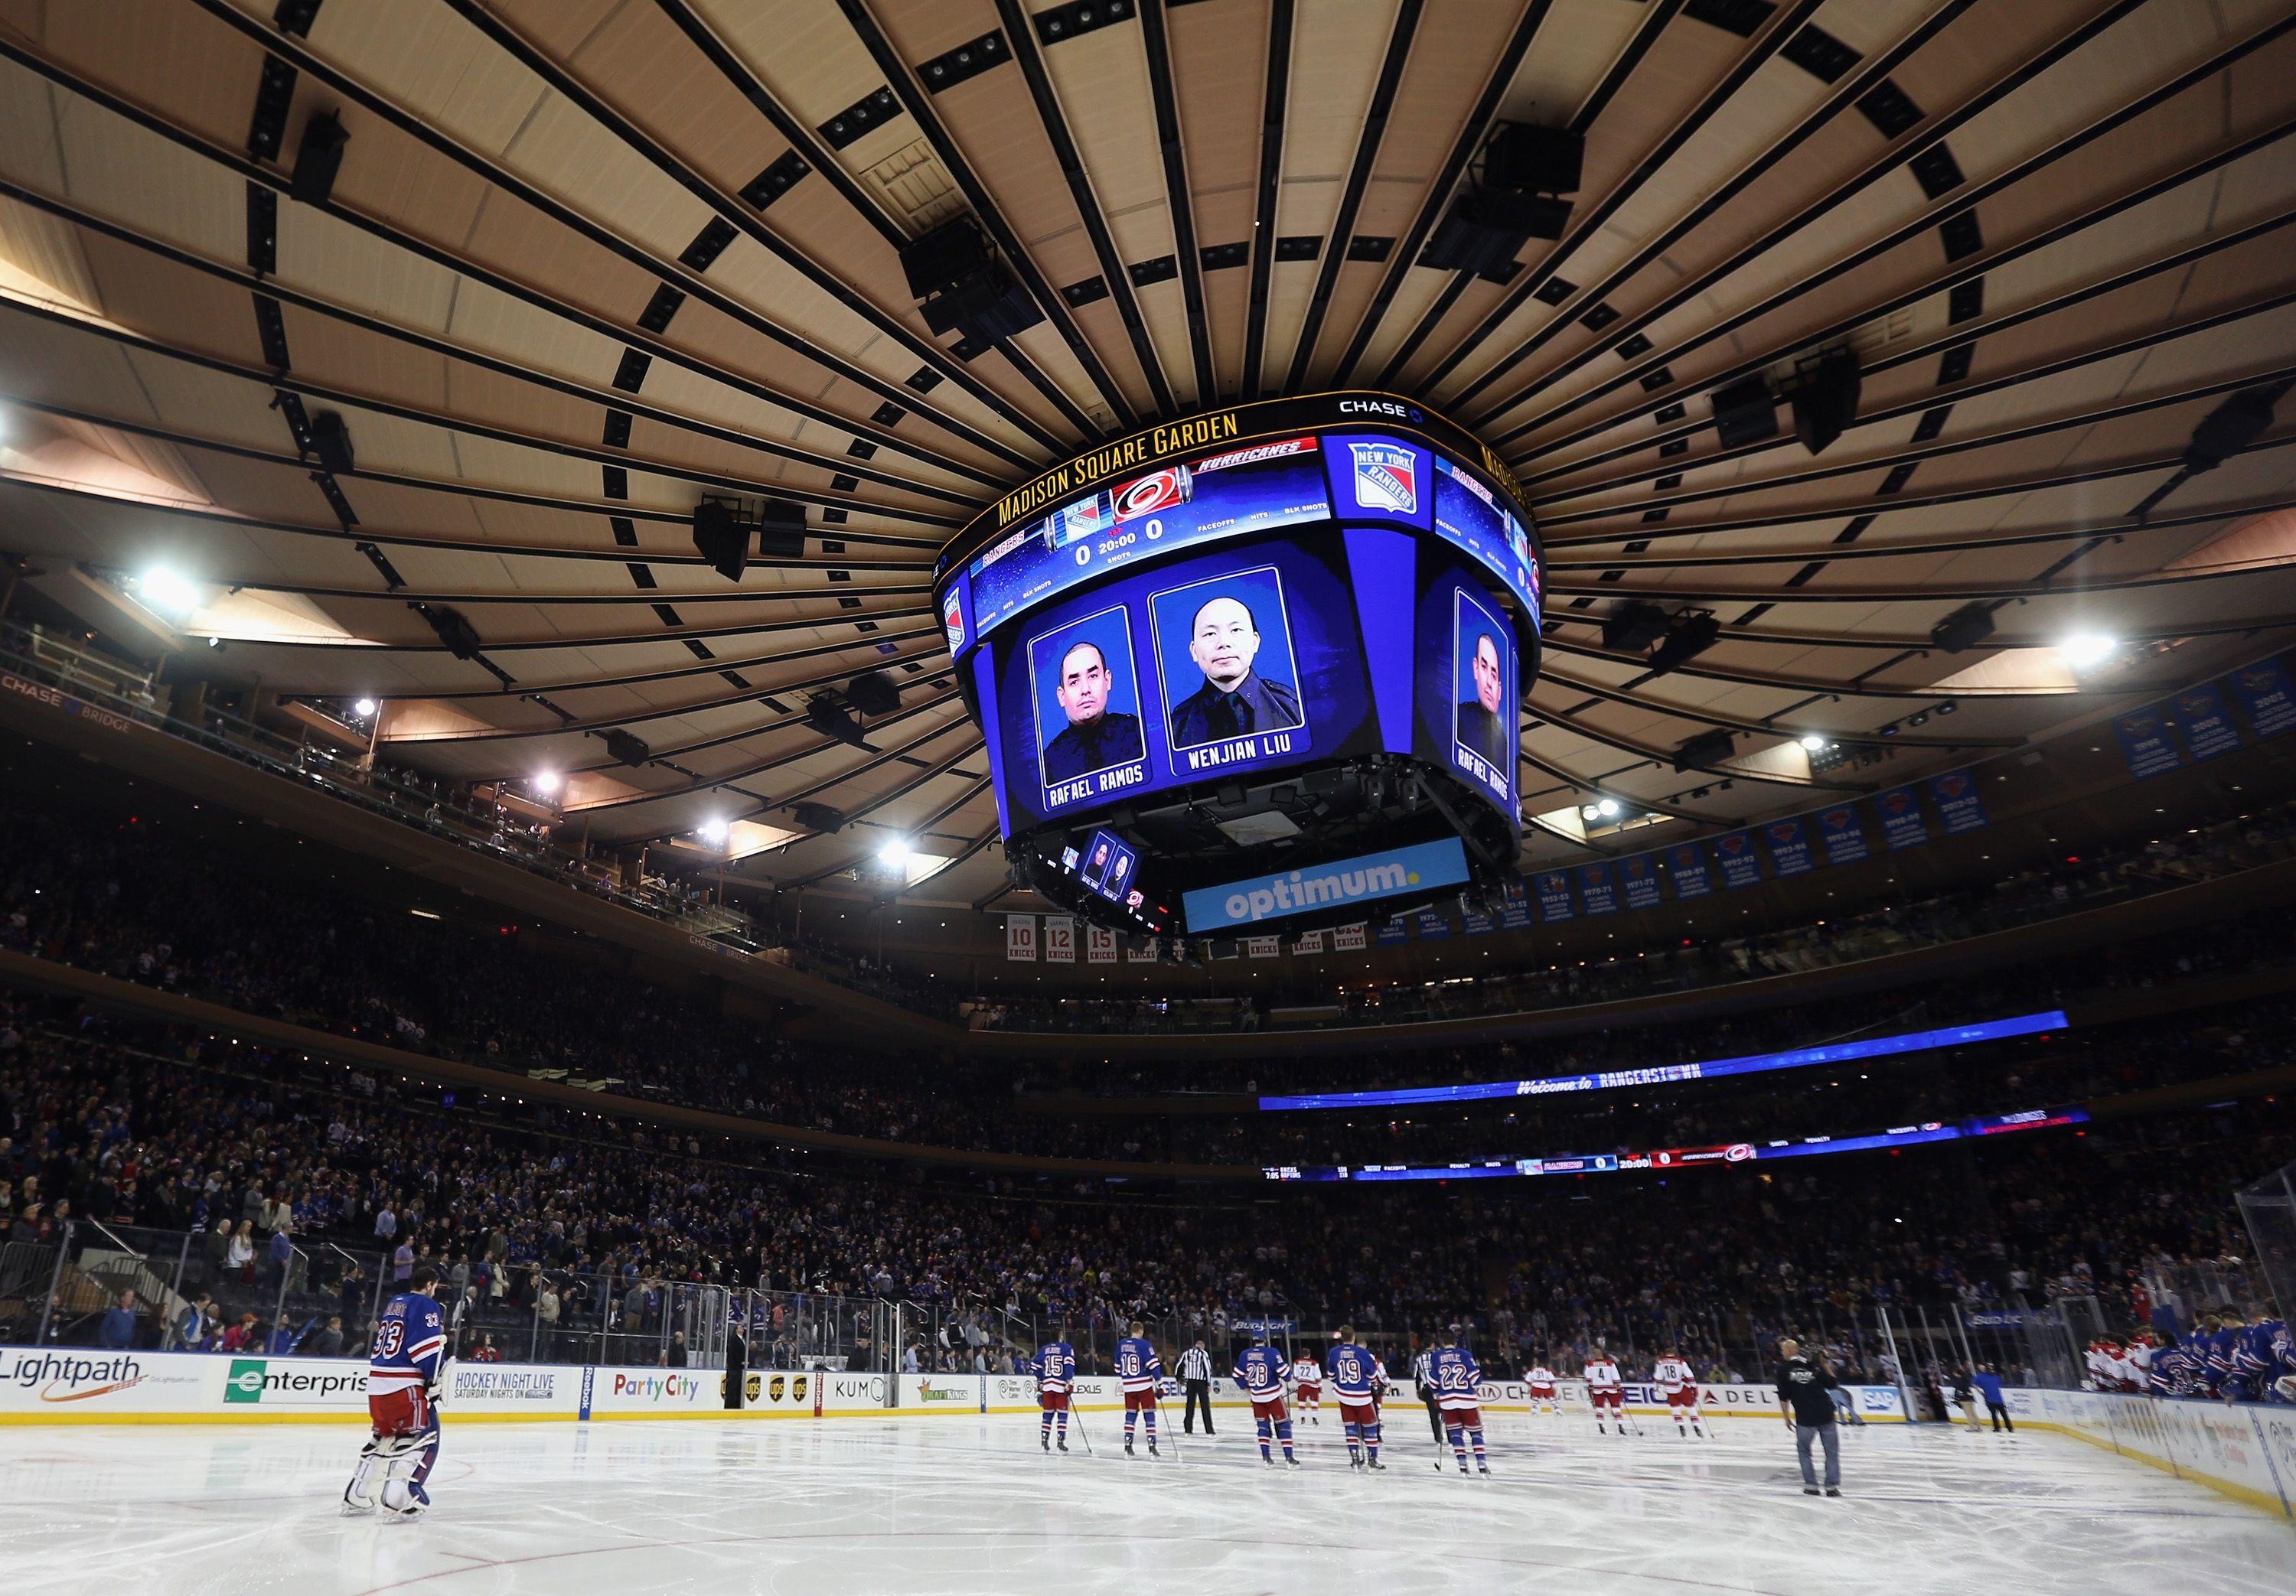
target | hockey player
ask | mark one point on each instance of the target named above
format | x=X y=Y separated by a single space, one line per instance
x=1458 y=1392
x=1138 y=1369
x=1424 y=1382
x=2253 y=1360
x=1307 y=1386
x=1674 y=1379
x=1056 y=1372
x=1605 y=1389
x=403 y=1372
x=1260 y=1371
x=1542 y=1391
x=1358 y=1379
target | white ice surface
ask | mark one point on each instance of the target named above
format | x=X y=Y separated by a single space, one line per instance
x=947 y=1503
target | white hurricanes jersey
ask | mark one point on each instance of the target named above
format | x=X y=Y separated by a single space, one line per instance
x=1672 y=1375
x=1305 y=1373
x=1542 y=1377
x=1603 y=1375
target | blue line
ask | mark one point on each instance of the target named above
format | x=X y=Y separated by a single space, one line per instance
x=1839 y=1052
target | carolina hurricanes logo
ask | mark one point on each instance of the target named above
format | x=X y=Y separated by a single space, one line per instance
x=1157 y=490
x=1387 y=478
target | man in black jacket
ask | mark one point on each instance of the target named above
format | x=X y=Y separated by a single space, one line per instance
x=1804 y=1391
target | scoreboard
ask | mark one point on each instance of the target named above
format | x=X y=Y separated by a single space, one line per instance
x=1250 y=641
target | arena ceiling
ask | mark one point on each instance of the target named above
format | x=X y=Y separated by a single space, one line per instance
x=585 y=260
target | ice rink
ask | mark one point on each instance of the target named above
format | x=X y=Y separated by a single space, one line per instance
x=963 y=1504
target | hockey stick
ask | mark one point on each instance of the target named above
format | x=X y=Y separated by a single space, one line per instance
x=1077 y=1413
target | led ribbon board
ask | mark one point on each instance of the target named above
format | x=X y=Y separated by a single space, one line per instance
x=1838 y=1053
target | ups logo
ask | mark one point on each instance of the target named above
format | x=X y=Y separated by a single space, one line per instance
x=751 y=1386
x=797 y=1388
x=773 y=1388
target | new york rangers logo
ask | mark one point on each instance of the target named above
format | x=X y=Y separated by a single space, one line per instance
x=1387 y=478
x=952 y=619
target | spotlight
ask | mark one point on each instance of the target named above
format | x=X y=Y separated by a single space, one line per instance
x=1590 y=812
x=1608 y=808
x=168 y=591
x=365 y=708
x=895 y=853
x=714 y=831
x=1948 y=707
x=1813 y=742
x=546 y=780
x=1919 y=717
x=2086 y=650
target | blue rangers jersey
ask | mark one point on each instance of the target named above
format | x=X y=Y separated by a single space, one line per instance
x=1354 y=1372
x=1055 y=1367
x=410 y=1343
x=1455 y=1379
x=1136 y=1363
x=2217 y=1350
x=2252 y=1357
x=1260 y=1372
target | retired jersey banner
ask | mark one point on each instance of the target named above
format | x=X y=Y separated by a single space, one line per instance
x=1686 y=861
x=1515 y=912
x=1789 y=844
x=1960 y=808
x=1902 y=823
x=2266 y=696
x=1099 y=945
x=1843 y=834
x=2144 y=738
x=1143 y=951
x=1596 y=888
x=1393 y=930
x=1060 y=939
x=1638 y=880
x=1554 y=886
x=1309 y=942
x=2209 y=731
x=1742 y=866
x=1263 y=947
x=1020 y=937
x=1351 y=939
x=1432 y=927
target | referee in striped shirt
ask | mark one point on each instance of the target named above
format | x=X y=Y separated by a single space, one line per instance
x=1196 y=1379
x=1423 y=1382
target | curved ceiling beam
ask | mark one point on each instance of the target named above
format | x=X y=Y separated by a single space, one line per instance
x=277 y=42
x=1755 y=728
x=931 y=634
x=1664 y=759
x=934 y=819
x=816 y=745
x=1920 y=593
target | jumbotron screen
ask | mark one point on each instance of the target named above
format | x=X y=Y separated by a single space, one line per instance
x=1318 y=582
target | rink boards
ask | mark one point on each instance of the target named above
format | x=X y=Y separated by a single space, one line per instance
x=74 y=1385
x=2245 y=1450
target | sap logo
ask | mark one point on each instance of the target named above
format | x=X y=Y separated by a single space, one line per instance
x=1374 y=407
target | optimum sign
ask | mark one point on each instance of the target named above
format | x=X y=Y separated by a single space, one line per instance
x=1335 y=885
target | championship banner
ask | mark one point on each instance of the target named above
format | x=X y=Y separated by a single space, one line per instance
x=1514 y=908
x=1553 y=895
x=1351 y=939
x=1143 y=951
x=1020 y=937
x=1843 y=834
x=1596 y=889
x=1902 y=825
x=1789 y=846
x=1638 y=880
x=1099 y=945
x=1742 y=866
x=1476 y=925
x=1432 y=927
x=1959 y=806
x=1392 y=930
x=1310 y=942
x=1060 y=939
x=1263 y=947
x=2209 y=731
x=2266 y=697
x=2144 y=739
x=1686 y=861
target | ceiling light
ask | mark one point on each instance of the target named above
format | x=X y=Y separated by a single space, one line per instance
x=365 y=708
x=168 y=591
x=1813 y=742
x=715 y=832
x=895 y=853
x=546 y=780
x=1590 y=812
x=2086 y=650
x=1607 y=808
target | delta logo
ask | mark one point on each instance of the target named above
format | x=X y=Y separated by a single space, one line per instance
x=1387 y=478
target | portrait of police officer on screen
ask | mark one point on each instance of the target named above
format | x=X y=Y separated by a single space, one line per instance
x=1482 y=725
x=1096 y=737
x=1235 y=699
